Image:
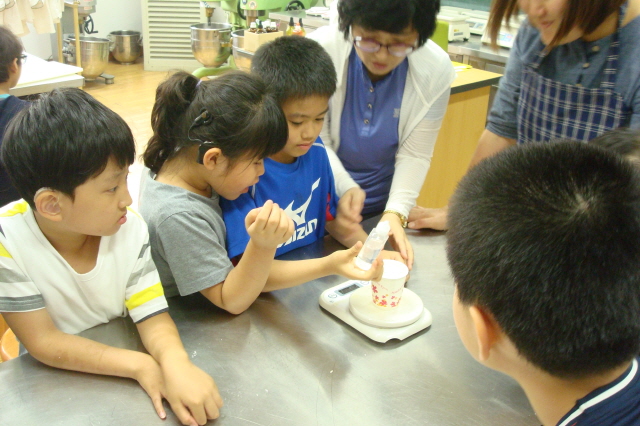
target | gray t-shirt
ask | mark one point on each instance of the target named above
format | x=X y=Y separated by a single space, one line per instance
x=187 y=237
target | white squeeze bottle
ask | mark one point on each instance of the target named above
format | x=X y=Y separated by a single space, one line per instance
x=372 y=247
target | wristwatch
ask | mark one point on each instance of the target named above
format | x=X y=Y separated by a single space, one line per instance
x=403 y=218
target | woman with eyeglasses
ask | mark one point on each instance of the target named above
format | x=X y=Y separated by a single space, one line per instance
x=11 y=60
x=383 y=120
x=573 y=73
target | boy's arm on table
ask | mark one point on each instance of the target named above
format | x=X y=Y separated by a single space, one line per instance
x=268 y=226
x=285 y=274
x=192 y=393
x=46 y=343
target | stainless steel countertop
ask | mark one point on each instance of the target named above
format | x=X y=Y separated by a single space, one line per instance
x=307 y=21
x=474 y=47
x=287 y=362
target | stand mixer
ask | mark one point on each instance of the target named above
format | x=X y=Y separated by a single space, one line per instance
x=90 y=53
x=211 y=42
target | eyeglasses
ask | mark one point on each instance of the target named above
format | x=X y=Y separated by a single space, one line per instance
x=370 y=45
x=23 y=58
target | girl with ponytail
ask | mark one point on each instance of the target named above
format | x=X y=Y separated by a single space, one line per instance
x=209 y=140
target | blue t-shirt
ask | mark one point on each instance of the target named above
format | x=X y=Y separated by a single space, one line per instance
x=369 y=130
x=9 y=107
x=578 y=62
x=304 y=188
x=616 y=404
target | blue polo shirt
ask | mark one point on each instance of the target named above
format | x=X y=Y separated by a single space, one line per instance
x=9 y=107
x=369 y=130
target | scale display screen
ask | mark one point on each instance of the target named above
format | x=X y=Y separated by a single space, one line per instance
x=349 y=289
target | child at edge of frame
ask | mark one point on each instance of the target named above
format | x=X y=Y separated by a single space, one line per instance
x=544 y=247
x=73 y=255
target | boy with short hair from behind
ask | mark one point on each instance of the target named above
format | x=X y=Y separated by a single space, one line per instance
x=73 y=256
x=544 y=246
x=301 y=75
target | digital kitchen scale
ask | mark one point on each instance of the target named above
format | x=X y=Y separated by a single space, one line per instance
x=377 y=323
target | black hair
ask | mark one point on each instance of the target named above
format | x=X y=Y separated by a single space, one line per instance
x=62 y=140
x=546 y=238
x=624 y=141
x=295 y=68
x=392 y=16
x=10 y=49
x=246 y=120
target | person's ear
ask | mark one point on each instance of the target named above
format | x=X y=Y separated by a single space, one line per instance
x=14 y=67
x=488 y=331
x=47 y=203
x=212 y=158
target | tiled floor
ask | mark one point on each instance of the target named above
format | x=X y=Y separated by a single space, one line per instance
x=131 y=96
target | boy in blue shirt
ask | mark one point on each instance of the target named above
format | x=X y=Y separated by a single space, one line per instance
x=298 y=178
x=544 y=246
x=73 y=255
x=11 y=60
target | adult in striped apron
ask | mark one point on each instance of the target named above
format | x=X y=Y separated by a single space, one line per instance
x=548 y=109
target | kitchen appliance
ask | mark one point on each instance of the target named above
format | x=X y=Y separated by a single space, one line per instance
x=477 y=20
x=351 y=302
x=241 y=13
x=211 y=43
x=241 y=57
x=506 y=34
x=126 y=46
x=94 y=56
x=458 y=29
x=77 y=46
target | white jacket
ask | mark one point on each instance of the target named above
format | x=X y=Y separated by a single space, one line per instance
x=424 y=101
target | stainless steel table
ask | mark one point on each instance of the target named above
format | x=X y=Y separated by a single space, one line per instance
x=286 y=362
x=474 y=49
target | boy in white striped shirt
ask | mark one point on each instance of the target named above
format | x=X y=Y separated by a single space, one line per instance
x=73 y=255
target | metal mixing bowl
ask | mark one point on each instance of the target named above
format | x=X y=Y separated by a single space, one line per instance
x=211 y=43
x=125 y=46
x=241 y=57
x=94 y=55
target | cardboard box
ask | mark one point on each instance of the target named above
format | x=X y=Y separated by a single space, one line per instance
x=253 y=41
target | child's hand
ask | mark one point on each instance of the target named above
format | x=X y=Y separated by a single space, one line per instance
x=345 y=265
x=192 y=393
x=269 y=225
x=151 y=380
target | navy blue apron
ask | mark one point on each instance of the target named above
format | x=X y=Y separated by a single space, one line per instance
x=550 y=110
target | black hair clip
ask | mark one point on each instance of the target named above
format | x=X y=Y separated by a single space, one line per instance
x=204 y=118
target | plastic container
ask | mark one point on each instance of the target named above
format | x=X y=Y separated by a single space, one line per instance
x=374 y=244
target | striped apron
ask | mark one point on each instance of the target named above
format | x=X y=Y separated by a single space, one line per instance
x=549 y=110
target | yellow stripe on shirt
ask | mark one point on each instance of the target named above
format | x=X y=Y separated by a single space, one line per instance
x=18 y=208
x=4 y=252
x=142 y=297
x=135 y=212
